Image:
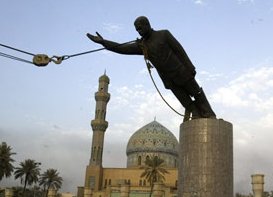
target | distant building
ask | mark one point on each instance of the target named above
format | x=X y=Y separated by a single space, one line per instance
x=151 y=139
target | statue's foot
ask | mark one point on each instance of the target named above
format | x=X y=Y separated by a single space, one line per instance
x=187 y=115
x=209 y=115
x=191 y=112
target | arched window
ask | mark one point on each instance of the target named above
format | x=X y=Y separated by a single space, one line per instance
x=139 y=160
x=94 y=154
x=105 y=182
x=102 y=114
x=140 y=182
x=98 y=154
x=147 y=157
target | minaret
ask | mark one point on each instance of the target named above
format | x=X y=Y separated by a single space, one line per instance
x=257 y=184
x=93 y=176
x=99 y=124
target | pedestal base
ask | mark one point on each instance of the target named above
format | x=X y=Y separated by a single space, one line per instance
x=206 y=159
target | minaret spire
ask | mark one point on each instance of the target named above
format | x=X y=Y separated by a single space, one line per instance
x=99 y=124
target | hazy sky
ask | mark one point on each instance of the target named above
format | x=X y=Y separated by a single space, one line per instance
x=45 y=113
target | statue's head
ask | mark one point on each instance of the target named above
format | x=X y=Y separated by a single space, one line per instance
x=143 y=26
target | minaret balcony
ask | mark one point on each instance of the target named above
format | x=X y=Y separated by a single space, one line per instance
x=99 y=125
x=102 y=96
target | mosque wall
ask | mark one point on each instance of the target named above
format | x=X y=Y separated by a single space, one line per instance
x=131 y=176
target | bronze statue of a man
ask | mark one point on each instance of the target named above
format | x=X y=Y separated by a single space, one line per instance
x=171 y=62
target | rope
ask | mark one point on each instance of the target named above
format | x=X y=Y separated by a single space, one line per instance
x=17 y=49
x=15 y=58
x=150 y=73
x=65 y=57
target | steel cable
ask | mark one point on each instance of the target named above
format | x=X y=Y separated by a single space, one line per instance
x=17 y=49
x=15 y=58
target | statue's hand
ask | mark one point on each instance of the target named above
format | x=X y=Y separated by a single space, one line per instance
x=97 y=39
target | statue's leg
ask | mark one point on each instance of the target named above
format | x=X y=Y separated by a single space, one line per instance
x=187 y=115
x=184 y=98
x=200 y=99
x=203 y=104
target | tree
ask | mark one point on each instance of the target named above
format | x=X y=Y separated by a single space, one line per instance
x=153 y=171
x=6 y=167
x=28 y=172
x=30 y=192
x=50 y=179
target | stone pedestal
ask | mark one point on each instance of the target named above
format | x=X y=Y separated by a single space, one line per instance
x=257 y=184
x=206 y=159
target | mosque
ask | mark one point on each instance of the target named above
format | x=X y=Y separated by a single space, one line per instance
x=152 y=139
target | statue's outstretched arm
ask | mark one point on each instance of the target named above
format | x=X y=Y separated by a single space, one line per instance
x=97 y=39
x=131 y=48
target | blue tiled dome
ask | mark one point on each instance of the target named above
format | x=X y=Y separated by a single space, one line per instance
x=152 y=138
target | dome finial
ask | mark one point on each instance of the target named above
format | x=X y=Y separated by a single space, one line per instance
x=155 y=118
